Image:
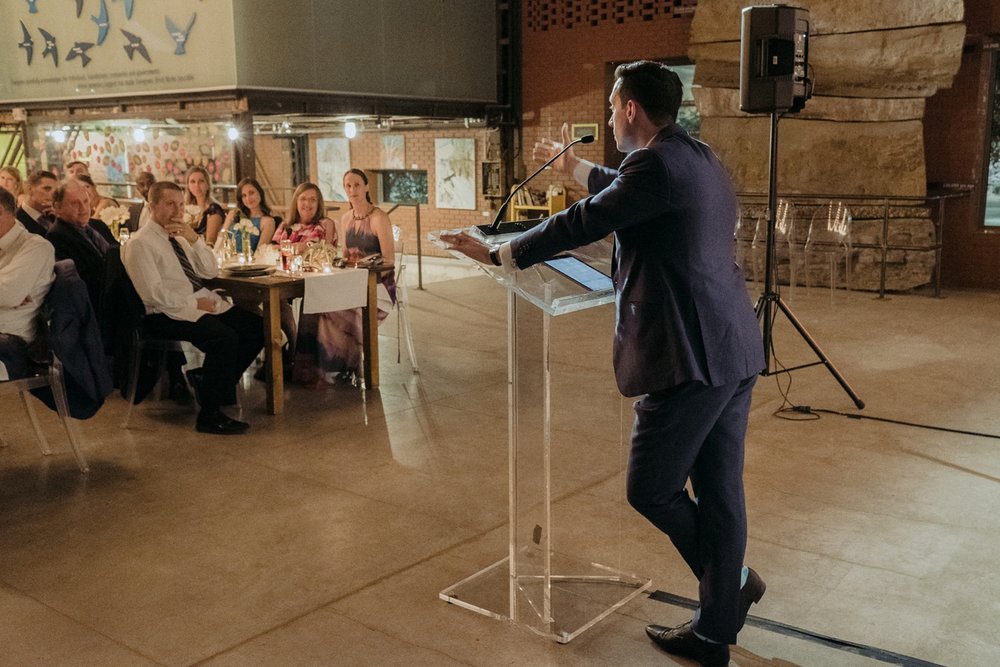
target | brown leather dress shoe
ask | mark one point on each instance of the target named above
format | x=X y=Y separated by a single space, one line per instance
x=684 y=642
x=752 y=591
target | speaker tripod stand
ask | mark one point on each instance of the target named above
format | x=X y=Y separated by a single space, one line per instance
x=770 y=302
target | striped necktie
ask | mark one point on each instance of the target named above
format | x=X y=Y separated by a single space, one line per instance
x=186 y=265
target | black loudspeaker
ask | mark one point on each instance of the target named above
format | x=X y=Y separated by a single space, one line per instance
x=774 y=59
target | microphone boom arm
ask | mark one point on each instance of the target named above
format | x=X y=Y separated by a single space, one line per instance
x=586 y=139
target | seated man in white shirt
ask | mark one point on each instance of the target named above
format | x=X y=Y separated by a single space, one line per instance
x=26 y=262
x=166 y=261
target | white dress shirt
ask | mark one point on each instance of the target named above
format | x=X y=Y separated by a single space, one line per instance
x=159 y=279
x=144 y=215
x=26 y=262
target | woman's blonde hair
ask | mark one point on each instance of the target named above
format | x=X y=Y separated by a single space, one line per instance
x=188 y=197
x=16 y=175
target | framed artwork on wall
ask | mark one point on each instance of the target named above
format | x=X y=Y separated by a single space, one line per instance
x=578 y=130
x=333 y=159
x=392 y=150
x=455 y=173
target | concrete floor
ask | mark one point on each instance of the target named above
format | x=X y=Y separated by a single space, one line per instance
x=324 y=536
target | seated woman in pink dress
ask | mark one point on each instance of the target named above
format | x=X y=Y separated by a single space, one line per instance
x=366 y=231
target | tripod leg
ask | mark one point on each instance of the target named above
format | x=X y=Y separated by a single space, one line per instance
x=765 y=313
x=819 y=353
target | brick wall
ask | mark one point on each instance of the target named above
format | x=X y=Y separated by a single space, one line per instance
x=567 y=47
x=955 y=128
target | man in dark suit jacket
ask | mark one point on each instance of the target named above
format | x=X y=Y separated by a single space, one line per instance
x=36 y=212
x=143 y=182
x=77 y=237
x=686 y=338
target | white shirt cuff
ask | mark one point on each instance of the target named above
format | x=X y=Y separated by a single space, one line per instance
x=581 y=172
x=506 y=255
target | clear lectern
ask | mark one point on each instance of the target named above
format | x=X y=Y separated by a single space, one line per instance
x=544 y=583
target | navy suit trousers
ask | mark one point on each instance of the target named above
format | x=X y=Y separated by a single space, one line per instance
x=694 y=431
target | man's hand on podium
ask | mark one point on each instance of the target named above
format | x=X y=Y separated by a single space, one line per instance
x=468 y=246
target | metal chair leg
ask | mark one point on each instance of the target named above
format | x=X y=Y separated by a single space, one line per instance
x=62 y=406
x=43 y=442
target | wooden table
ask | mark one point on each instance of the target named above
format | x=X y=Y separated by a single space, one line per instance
x=269 y=291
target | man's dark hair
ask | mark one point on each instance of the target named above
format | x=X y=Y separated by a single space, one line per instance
x=36 y=176
x=653 y=86
x=143 y=176
x=7 y=201
x=157 y=189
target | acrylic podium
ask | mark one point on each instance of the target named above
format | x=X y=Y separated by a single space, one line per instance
x=541 y=584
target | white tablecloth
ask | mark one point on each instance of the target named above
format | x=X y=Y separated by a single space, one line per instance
x=337 y=290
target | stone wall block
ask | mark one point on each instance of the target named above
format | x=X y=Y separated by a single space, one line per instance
x=725 y=102
x=719 y=20
x=907 y=62
x=822 y=157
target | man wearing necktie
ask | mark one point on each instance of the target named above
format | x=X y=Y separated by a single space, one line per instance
x=76 y=236
x=166 y=262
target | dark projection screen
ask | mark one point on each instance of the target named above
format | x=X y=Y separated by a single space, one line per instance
x=427 y=49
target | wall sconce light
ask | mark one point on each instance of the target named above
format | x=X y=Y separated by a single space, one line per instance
x=350 y=129
x=233 y=133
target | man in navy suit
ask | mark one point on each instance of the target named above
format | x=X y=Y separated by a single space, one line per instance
x=686 y=339
x=36 y=212
x=76 y=236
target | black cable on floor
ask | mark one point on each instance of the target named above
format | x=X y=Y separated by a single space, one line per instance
x=790 y=411
x=807 y=410
x=863 y=650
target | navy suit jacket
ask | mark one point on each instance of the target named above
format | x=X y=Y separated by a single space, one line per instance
x=683 y=313
x=90 y=263
x=75 y=338
x=29 y=222
x=134 y=212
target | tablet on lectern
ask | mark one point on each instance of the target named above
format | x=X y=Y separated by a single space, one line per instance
x=580 y=272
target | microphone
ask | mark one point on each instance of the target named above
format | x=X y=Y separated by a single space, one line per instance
x=523 y=225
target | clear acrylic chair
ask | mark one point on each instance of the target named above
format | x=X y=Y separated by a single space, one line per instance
x=402 y=303
x=746 y=230
x=785 y=251
x=829 y=238
x=140 y=344
x=49 y=375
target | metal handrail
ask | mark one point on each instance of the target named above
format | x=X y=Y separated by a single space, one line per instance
x=886 y=201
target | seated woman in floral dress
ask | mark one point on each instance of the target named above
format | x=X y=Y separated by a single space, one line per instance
x=366 y=231
x=306 y=222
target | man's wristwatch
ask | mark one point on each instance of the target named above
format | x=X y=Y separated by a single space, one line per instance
x=495 y=257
